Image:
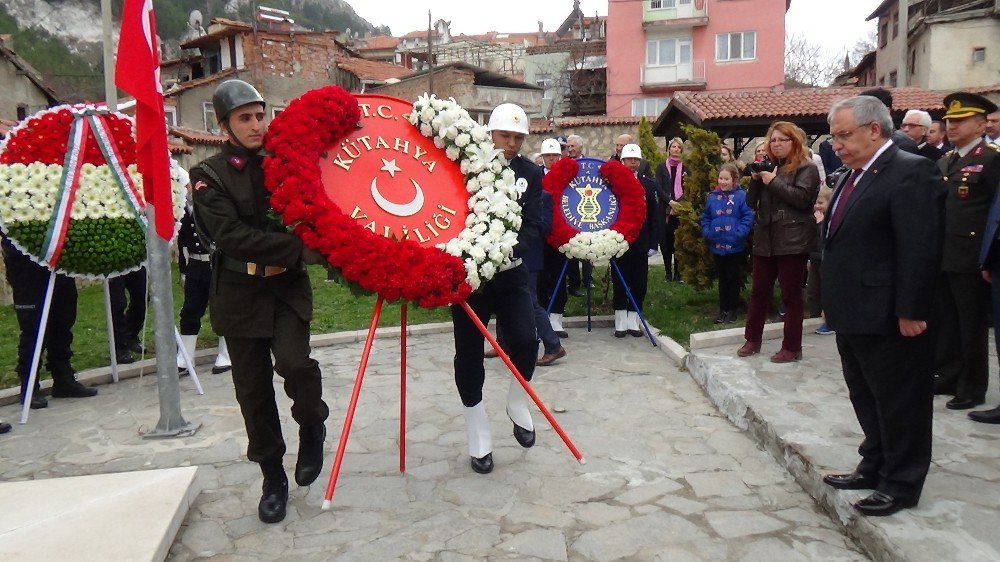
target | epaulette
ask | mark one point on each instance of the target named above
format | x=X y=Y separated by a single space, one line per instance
x=950 y=152
x=994 y=146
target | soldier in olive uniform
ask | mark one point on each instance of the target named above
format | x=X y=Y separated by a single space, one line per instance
x=971 y=171
x=261 y=299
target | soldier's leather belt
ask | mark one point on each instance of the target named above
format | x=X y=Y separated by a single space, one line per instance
x=251 y=268
x=197 y=257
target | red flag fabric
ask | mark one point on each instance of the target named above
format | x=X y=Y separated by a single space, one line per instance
x=137 y=71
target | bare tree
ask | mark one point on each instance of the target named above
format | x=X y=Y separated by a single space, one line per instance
x=806 y=65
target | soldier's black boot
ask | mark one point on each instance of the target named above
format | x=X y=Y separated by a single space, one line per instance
x=37 y=400
x=65 y=385
x=274 y=498
x=310 y=461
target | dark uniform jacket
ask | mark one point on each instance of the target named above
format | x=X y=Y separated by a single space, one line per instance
x=972 y=183
x=233 y=210
x=784 y=223
x=189 y=245
x=530 y=234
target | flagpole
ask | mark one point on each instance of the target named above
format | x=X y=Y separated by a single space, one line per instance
x=172 y=422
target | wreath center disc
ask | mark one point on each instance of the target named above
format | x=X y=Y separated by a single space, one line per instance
x=587 y=202
x=392 y=180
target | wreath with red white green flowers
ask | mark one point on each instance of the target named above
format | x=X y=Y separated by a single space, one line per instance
x=70 y=195
x=599 y=245
x=393 y=269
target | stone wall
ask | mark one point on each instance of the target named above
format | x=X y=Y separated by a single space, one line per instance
x=599 y=140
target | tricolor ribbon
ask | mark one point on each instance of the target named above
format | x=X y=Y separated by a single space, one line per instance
x=55 y=237
x=118 y=171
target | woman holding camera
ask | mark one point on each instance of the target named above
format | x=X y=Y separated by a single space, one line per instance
x=782 y=191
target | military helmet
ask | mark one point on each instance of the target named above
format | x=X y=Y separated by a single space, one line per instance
x=232 y=94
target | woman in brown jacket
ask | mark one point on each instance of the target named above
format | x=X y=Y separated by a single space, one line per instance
x=784 y=231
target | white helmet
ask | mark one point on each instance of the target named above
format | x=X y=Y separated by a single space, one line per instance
x=509 y=117
x=631 y=151
x=551 y=146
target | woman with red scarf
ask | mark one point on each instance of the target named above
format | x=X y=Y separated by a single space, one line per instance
x=784 y=231
x=669 y=176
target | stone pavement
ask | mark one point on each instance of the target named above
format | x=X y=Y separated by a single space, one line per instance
x=667 y=477
x=801 y=413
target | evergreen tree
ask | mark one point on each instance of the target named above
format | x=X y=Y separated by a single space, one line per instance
x=701 y=162
x=647 y=143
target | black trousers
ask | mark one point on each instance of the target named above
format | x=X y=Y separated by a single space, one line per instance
x=573 y=274
x=128 y=313
x=197 y=286
x=29 y=281
x=253 y=374
x=667 y=230
x=962 y=333
x=634 y=266
x=549 y=276
x=507 y=297
x=727 y=268
x=891 y=386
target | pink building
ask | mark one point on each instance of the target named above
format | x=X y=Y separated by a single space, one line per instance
x=657 y=47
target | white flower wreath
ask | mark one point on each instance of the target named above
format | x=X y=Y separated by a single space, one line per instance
x=487 y=242
x=598 y=246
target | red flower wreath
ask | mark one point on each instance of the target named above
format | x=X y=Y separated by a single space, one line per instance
x=392 y=269
x=625 y=186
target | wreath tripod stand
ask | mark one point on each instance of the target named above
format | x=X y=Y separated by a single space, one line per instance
x=355 y=393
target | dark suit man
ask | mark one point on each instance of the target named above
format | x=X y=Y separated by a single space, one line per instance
x=899 y=138
x=880 y=259
x=915 y=124
x=971 y=171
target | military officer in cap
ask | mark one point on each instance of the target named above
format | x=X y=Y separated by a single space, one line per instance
x=261 y=300
x=506 y=295
x=971 y=171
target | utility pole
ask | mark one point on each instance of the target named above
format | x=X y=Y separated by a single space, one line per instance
x=430 y=56
x=903 y=64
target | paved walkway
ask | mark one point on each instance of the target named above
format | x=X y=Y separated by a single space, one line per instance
x=802 y=414
x=667 y=477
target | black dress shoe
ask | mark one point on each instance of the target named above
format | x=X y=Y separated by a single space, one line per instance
x=273 y=500
x=37 y=401
x=135 y=346
x=524 y=437
x=880 y=504
x=483 y=465
x=621 y=333
x=124 y=357
x=986 y=416
x=309 y=463
x=635 y=333
x=958 y=403
x=218 y=370
x=562 y=334
x=71 y=389
x=576 y=292
x=851 y=481
x=4 y=427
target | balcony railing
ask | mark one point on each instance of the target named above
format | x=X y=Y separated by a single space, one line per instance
x=667 y=11
x=692 y=73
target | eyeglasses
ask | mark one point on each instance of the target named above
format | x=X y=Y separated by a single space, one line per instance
x=776 y=141
x=842 y=137
x=910 y=125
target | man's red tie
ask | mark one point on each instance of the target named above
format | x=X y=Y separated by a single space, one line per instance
x=845 y=196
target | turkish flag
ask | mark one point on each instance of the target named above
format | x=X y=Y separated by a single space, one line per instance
x=137 y=71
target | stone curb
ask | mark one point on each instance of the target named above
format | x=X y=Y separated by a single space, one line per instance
x=732 y=403
x=147 y=367
x=734 y=336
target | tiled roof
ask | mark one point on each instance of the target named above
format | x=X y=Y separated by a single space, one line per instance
x=791 y=103
x=197 y=137
x=187 y=85
x=580 y=48
x=176 y=147
x=6 y=126
x=540 y=126
x=371 y=70
x=419 y=33
x=380 y=42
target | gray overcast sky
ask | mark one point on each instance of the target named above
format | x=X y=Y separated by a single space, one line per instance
x=835 y=24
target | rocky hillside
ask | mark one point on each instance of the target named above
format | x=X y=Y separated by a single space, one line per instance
x=61 y=38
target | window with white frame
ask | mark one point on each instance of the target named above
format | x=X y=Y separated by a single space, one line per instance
x=208 y=114
x=544 y=80
x=668 y=52
x=740 y=45
x=649 y=106
x=170 y=113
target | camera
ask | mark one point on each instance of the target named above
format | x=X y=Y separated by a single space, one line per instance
x=833 y=178
x=764 y=165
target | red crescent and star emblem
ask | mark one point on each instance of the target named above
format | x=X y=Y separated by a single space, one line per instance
x=413 y=190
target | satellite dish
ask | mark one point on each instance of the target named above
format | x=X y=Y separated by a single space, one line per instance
x=195 y=19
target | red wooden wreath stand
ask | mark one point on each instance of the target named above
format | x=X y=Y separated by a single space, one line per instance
x=349 y=419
